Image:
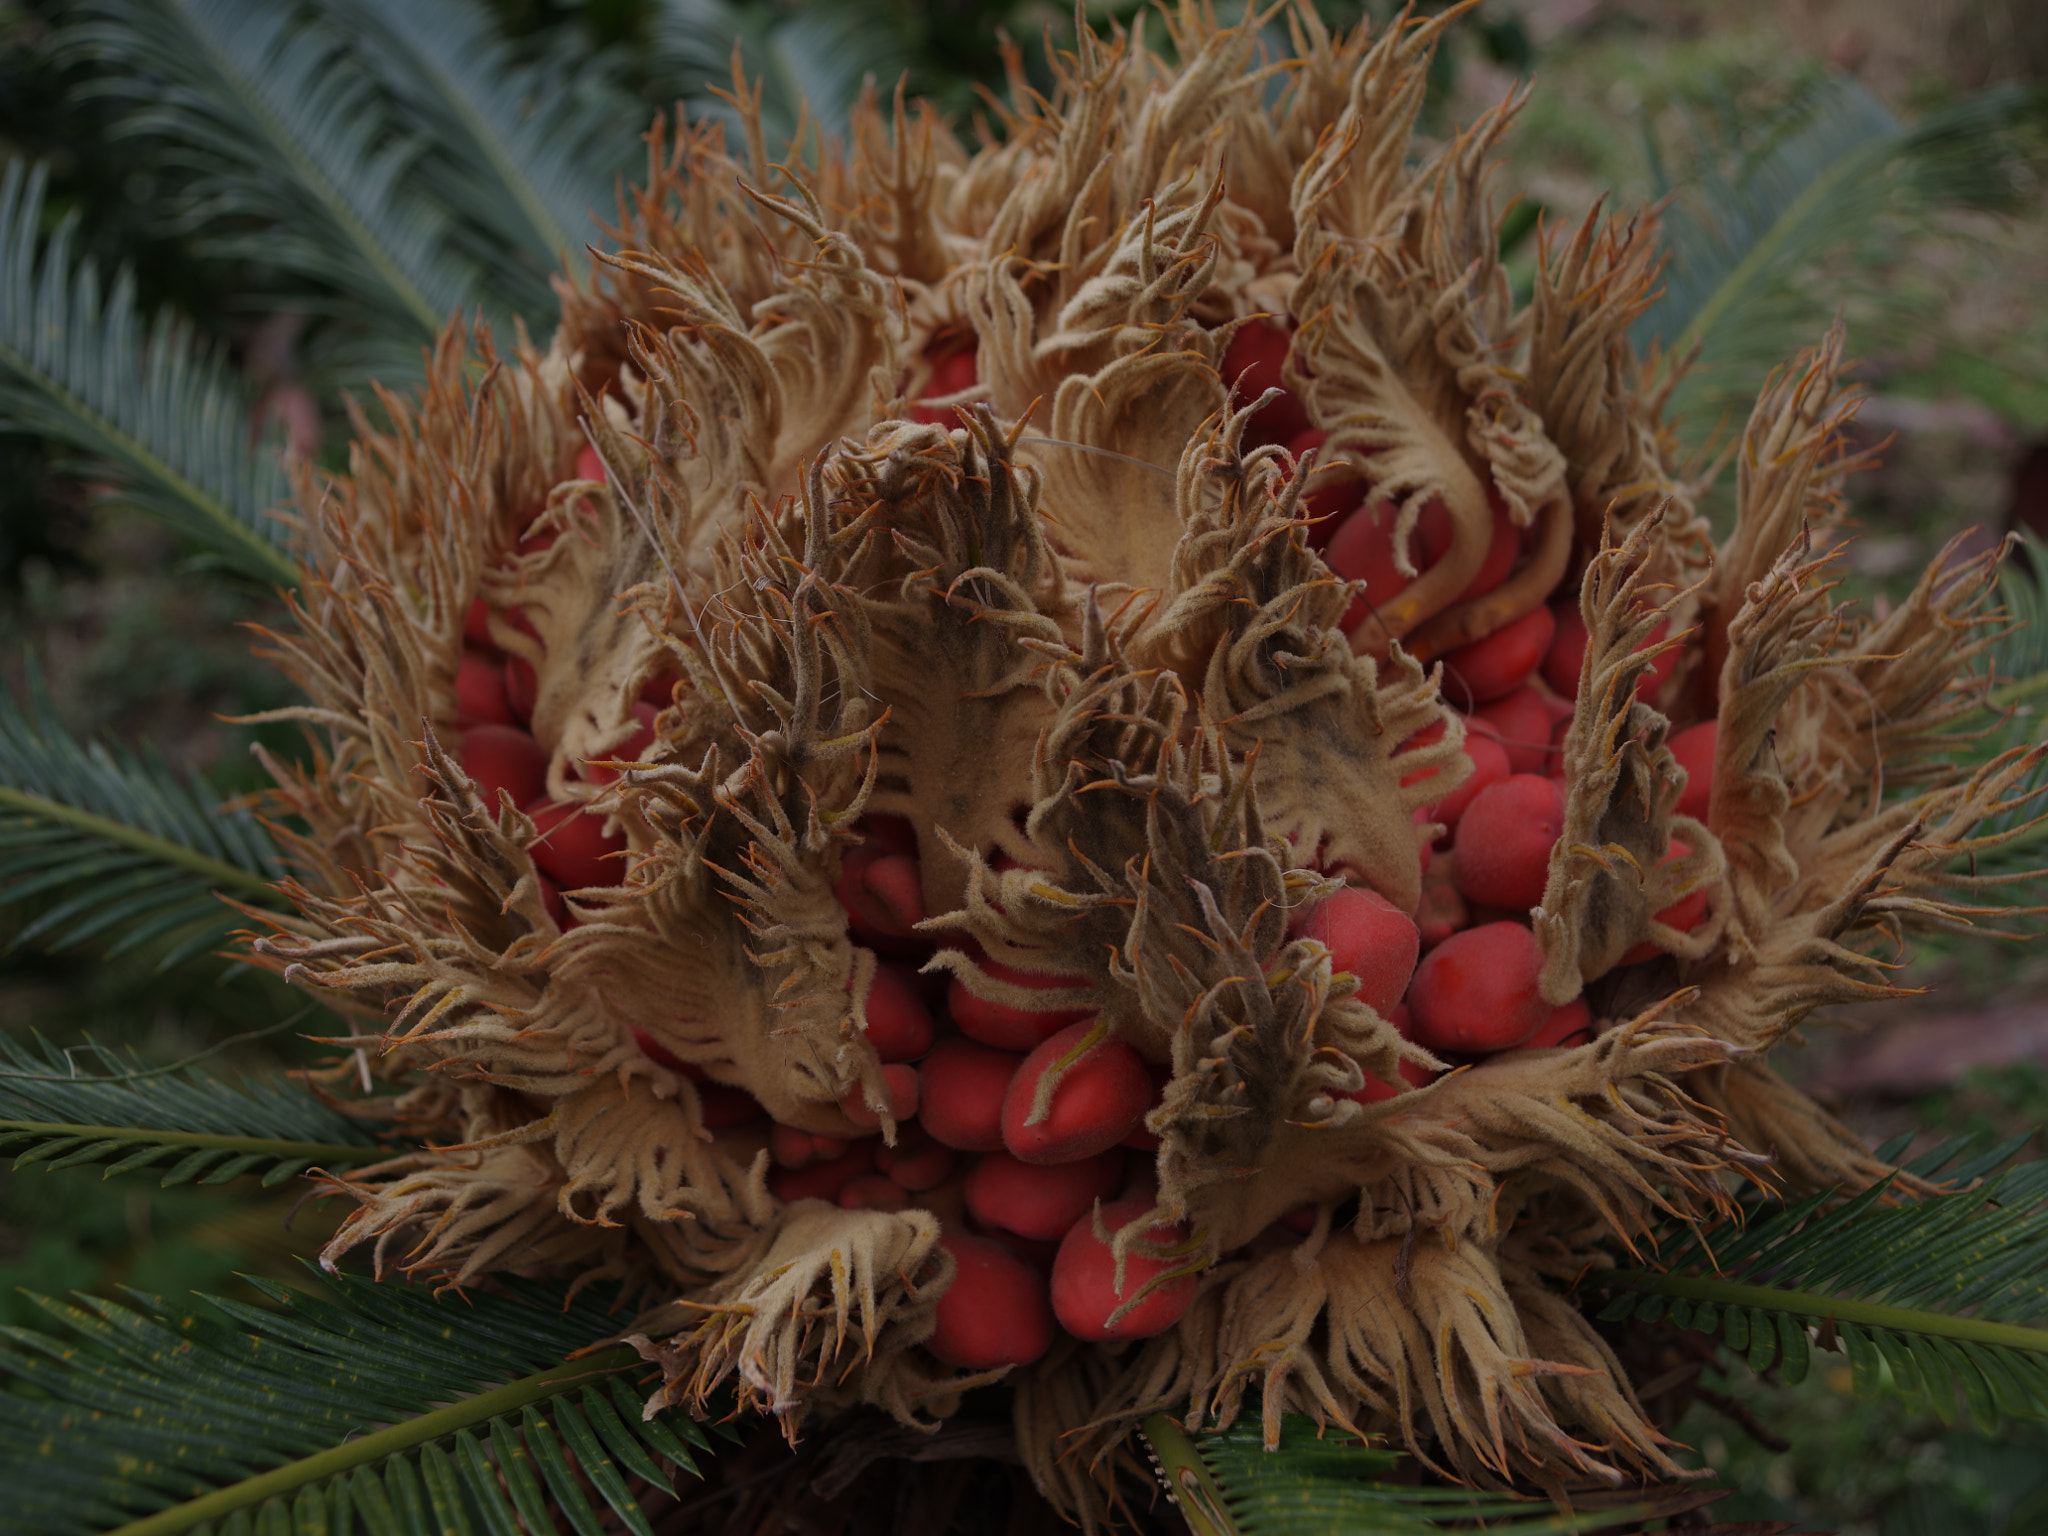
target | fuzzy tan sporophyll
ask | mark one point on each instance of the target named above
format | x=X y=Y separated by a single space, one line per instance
x=1091 y=763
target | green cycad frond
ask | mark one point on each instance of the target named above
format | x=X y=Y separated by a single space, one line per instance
x=2017 y=662
x=125 y=847
x=1228 y=1484
x=529 y=154
x=1930 y=1298
x=292 y=160
x=382 y=1410
x=158 y=412
x=1816 y=178
x=819 y=55
x=180 y=1121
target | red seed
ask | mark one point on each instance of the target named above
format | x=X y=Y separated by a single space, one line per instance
x=1442 y=911
x=574 y=848
x=1040 y=1202
x=996 y=1311
x=1084 y=1288
x=1505 y=841
x=872 y=1192
x=899 y=1024
x=589 y=464
x=1101 y=1098
x=1523 y=721
x=1251 y=366
x=725 y=1105
x=476 y=625
x=917 y=1161
x=1569 y=1025
x=1362 y=549
x=822 y=1181
x=522 y=688
x=1496 y=666
x=998 y=1024
x=883 y=893
x=503 y=757
x=631 y=750
x=1567 y=655
x=1371 y=938
x=1694 y=747
x=659 y=690
x=902 y=1085
x=951 y=373
x=1476 y=991
x=789 y=1147
x=1566 y=658
x=962 y=1096
x=480 y=690
x=1489 y=766
x=893 y=834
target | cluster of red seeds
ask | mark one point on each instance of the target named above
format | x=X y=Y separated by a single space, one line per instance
x=1475 y=990
x=1027 y=1202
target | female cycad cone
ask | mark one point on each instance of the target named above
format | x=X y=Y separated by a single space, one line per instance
x=842 y=757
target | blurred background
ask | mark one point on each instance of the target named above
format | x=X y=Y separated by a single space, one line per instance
x=1881 y=160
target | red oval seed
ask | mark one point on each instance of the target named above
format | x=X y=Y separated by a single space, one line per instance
x=574 y=847
x=962 y=1095
x=902 y=1085
x=899 y=1024
x=1371 y=938
x=1505 y=840
x=1500 y=663
x=1476 y=991
x=999 y=1024
x=504 y=758
x=1040 y=1202
x=1084 y=1289
x=1100 y=1099
x=996 y=1311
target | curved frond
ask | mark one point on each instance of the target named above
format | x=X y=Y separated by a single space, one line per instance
x=1937 y=1301
x=1315 y=1483
x=814 y=55
x=180 y=1122
x=452 y=1414
x=1822 y=174
x=292 y=157
x=123 y=848
x=154 y=410
x=527 y=153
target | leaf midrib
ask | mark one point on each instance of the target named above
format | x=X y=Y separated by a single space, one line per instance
x=315 y=180
x=391 y=1441
x=1774 y=239
x=326 y=1151
x=148 y=464
x=218 y=871
x=1869 y=1314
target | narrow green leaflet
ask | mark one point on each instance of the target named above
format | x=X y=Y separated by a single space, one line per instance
x=529 y=154
x=1942 y=1301
x=1815 y=179
x=91 y=1105
x=384 y=1409
x=817 y=56
x=292 y=158
x=148 y=407
x=1228 y=1484
x=123 y=850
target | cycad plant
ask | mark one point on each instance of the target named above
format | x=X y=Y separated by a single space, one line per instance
x=1078 y=798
